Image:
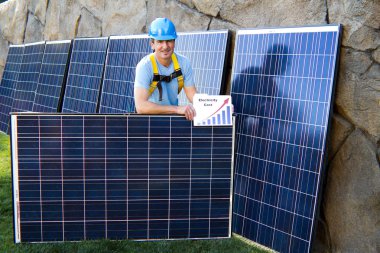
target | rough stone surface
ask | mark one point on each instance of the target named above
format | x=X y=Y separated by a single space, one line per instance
x=340 y=130
x=38 y=8
x=3 y=55
x=189 y=3
x=13 y=15
x=69 y=19
x=89 y=25
x=186 y=19
x=123 y=18
x=360 y=20
x=352 y=197
x=356 y=61
x=254 y=13
x=208 y=7
x=357 y=98
x=376 y=55
x=34 y=30
x=53 y=12
x=96 y=7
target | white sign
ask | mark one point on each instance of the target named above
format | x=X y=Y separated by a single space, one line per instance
x=212 y=110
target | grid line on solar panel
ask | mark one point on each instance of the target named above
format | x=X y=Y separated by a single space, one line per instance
x=52 y=76
x=119 y=177
x=8 y=83
x=282 y=85
x=85 y=75
x=25 y=89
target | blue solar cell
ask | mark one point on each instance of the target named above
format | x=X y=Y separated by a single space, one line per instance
x=52 y=76
x=8 y=84
x=206 y=51
x=85 y=75
x=282 y=86
x=26 y=86
x=116 y=176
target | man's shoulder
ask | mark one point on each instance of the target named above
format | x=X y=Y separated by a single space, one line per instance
x=182 y=60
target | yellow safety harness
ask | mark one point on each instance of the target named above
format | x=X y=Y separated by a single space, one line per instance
x=157 y=78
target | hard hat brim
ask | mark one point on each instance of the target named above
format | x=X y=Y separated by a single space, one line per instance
x=163 y=37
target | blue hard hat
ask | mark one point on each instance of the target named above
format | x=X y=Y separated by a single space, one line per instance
x=162 y=29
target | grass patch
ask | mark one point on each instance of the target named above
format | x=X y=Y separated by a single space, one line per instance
x=233 y=244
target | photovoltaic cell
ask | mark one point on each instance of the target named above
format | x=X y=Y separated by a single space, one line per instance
x=79 y=177
x=205 y=50
x=85 y=75
x=282 y=87
x=52 y=76
x=25 y=89
x=8 y=83
x=123 y=54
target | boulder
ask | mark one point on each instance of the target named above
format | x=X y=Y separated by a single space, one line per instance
x=360 y=20
x=3 y=55
x=184 y=18
x=251 y=14
x=357 y=99
x=34 y=30
x=208 y=7
x=38 y=8
x=89 y=25
x=376 y=55
x=352 y=197
x=124 y=18
x=340 y=130
x=355 y=61
x=13 y=16
x=96 y=7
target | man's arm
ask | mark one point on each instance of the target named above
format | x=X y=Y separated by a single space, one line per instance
x=144 y=106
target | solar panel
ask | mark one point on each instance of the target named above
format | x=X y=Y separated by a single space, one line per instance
x=124 y=52
x=25 y=89
x=52 y=76
x=282 y=87
x=85 y=75
x=205 y=50
x=79 y=177
x=8 y=83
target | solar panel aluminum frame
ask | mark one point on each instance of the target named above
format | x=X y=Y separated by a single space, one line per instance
x=324 y=28
x=15 y=168
x=64 y=78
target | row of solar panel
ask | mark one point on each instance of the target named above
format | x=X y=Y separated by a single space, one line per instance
x=282 y=89
x=91 y=75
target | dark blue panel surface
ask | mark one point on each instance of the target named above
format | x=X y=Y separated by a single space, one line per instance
x=207 y=52
x=282 y=87
x=123 y=54
x=120 y=177
x=26 y=86
x=52 y=76
x=85 y=75
x=8 y=84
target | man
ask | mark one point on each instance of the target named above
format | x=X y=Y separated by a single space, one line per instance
x=157 y=93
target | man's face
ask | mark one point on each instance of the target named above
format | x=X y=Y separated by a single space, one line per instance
x=163 y=48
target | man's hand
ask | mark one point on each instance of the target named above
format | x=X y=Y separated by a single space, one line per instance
x=187 y=110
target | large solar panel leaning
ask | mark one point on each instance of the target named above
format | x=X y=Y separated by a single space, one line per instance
x=8 y=83
x=25 y=89
x=123 y=54
x=85 y=75
x=52 y=76
x=79 y=177
x=205 y=50
x=282 y=90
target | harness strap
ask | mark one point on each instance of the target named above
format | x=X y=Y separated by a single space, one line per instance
x=157 y=78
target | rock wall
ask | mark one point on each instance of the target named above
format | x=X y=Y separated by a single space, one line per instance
x=350 y=220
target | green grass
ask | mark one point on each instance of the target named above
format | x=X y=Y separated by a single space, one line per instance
x=235 y=244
